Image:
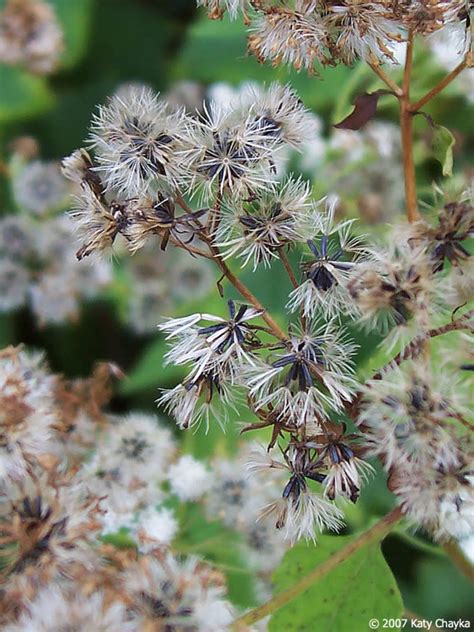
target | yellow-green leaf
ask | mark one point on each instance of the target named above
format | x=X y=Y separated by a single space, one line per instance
x=443 y=143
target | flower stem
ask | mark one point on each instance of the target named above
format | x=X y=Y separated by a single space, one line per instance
x=246 y=293
x=459 y=559
x=288 y=268
x=415 y=347
x=388 y=81
x=415 y=107
x=406 y=125
x=215 y=255
x=374 y=534
x=412 y=351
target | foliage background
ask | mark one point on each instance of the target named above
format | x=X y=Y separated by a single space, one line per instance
x=109 y=42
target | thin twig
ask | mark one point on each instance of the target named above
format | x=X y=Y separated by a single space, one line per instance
x=408 y=65
x=414 y=107
x=412 y=350
x=247 y=294
x=388 y=81
x=415 y=346
x=191 y=249
x=459 y=559
x=288 y=268
x=242 y=288
x=182 y=203
x=374 y=534
x=215 y=255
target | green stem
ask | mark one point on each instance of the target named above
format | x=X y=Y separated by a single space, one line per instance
x=374 y=534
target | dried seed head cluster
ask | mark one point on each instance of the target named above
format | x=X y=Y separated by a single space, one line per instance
x=306 y=33
x=30 y=36
x=71 y=473
x=130 y=187
x=39 y=269
x=209 y=185
x=298 y=381
x=415 y=422
x=27 y=412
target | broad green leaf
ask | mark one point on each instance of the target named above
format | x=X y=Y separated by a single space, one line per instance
x=443 y=143
x=22 y=95
x=359 y=589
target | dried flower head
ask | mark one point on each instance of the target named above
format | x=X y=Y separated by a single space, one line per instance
x=395 y=291
x=336 y=256
x=257 y=228
x=412 y=416
x=27 y=412
x=230 y=154
x=298 y=37
x=306 y=375
x=137 y=142
x=30 y=35
x=47 y=523
x=39 y=187
x=169 y=593
x=55 y=607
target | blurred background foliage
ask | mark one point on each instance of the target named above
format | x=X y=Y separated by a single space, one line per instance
x=159 y=42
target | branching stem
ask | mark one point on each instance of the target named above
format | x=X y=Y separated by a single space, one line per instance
x=413 y=349
x=246 y=293
x=415 y=107
x=388 y=81
x=459 y=559
x=288 y=268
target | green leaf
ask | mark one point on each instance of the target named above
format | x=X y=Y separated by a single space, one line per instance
x=438 y=589
x=443 y=143
x=220 y=546
x=120 y=539
x=359 y=589
x=22 y=95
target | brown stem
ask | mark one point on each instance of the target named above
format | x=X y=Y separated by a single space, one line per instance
x=415 y=347
x=412 y=350
x=191 y=249
x=230 y=276
x=182 y=203
x=388 y=81
x=459 y=559
x=247 y=294
x=288 y=268
x=374 y=534
x=406 y=125
x=414 y=107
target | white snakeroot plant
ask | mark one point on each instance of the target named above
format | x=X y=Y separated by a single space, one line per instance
x=208 y=184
